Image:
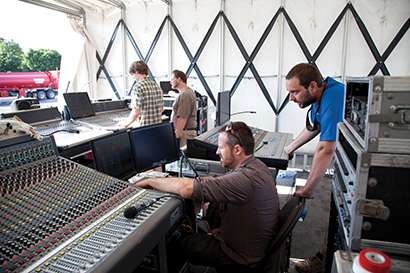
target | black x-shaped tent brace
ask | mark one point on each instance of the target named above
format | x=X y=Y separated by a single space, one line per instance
x=380 y=59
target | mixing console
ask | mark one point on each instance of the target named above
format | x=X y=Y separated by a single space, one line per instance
x=269 y=146
x=105 y=120
x=258 y=135
x=67 y=134
x=54 y=127
x=59 y=216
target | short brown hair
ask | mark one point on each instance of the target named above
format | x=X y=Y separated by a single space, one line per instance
x=139 y=66
x=179 y=74
x=306 y=73
x=243 y=136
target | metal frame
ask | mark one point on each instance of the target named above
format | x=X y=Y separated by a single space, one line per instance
x=380 y=59
x=191 y=58
x=68 y=8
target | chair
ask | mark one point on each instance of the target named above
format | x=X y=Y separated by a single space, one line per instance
x=289 y=216
x=278 y=253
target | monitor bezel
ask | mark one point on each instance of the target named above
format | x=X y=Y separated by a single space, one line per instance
x=150 y=127
x=89 y=105
x=168 y=84
x=124 y=175
x=219 y=105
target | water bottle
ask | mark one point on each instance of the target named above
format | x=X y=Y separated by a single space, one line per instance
x=305 y=210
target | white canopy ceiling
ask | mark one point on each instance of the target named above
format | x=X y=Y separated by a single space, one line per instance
x=77 y=7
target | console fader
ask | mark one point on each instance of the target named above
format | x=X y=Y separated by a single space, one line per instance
x=59 y=216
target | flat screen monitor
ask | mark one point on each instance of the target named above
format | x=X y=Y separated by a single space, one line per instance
x=223 y=107
x=113 y=155
x=79 y=105
x=153 y=145
x=166 y=87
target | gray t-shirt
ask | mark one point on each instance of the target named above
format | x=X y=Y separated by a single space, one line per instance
x=185 y=106
x=249 y=209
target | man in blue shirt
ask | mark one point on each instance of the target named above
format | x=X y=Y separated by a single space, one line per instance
x=326 y=98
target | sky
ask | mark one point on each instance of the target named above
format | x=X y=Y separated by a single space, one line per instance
x=34 y=27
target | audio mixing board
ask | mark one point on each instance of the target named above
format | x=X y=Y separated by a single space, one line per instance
x=105 y=121
x=59 y=216
x=269 y=146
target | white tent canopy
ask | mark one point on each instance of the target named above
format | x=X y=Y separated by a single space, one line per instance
x=244 y=46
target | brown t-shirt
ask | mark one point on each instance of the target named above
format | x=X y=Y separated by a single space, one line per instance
x=185 y=106
x=249 y=209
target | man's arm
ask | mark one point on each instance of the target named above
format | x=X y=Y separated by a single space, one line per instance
x=134 y=114
x=182 y=186
x=324 y=153
x=181 y=121
x=304 y=137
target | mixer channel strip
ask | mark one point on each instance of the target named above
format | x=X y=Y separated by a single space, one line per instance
x=90 y=248
x=258 y=135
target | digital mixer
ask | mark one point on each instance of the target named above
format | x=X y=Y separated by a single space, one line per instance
x=269 y=146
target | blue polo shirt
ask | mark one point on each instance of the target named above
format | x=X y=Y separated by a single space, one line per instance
x=331 y=109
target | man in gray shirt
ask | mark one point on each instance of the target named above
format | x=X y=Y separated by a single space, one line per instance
x=241 y=206
x=184 y=109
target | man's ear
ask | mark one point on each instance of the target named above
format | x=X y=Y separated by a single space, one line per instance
x=238 y=149
x=312 y=87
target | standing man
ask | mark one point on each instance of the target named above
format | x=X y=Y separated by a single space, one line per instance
x=325 y=97
x=184 y=113
x=146 y=97
x=244 y=207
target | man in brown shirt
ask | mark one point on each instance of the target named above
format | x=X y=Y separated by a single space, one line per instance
x=183 y=109
x=244 y=208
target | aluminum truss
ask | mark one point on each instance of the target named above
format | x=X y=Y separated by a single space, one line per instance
x=380 y=59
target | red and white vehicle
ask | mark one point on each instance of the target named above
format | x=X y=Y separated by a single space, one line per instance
x=41 y=85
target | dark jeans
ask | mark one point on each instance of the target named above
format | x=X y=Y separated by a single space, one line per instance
x=204 y=249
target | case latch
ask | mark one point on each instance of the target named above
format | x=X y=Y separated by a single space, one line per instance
x=372 y=208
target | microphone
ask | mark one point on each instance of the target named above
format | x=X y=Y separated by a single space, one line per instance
x=132 y=211
x=243 y=112
x=74 y=131
x=189 y=163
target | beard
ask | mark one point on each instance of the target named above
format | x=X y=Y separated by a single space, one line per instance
x=174 y=86
x=309 y=100
x=227 y=160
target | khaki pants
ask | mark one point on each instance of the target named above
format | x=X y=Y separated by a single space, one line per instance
x=184 y=135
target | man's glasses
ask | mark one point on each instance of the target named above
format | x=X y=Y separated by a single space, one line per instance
x=309 y=126
x=229 y=128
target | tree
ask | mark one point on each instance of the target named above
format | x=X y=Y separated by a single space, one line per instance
x=41 y=60
x=11 y=56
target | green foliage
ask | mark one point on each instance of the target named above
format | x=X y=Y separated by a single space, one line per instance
x=13 y=59
x=11 y=56
x=41 y=60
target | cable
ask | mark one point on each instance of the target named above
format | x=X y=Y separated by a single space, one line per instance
x=70 y=130
x=263 y=144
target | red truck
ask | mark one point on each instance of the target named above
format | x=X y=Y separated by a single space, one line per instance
x=41 y=85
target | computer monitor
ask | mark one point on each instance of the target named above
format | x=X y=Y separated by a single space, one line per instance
x=153 y=145
x=166 y=87
x=79 y=104
x=113 y=155
x=223 y=107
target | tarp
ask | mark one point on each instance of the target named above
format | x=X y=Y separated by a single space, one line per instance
x=366 y=30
